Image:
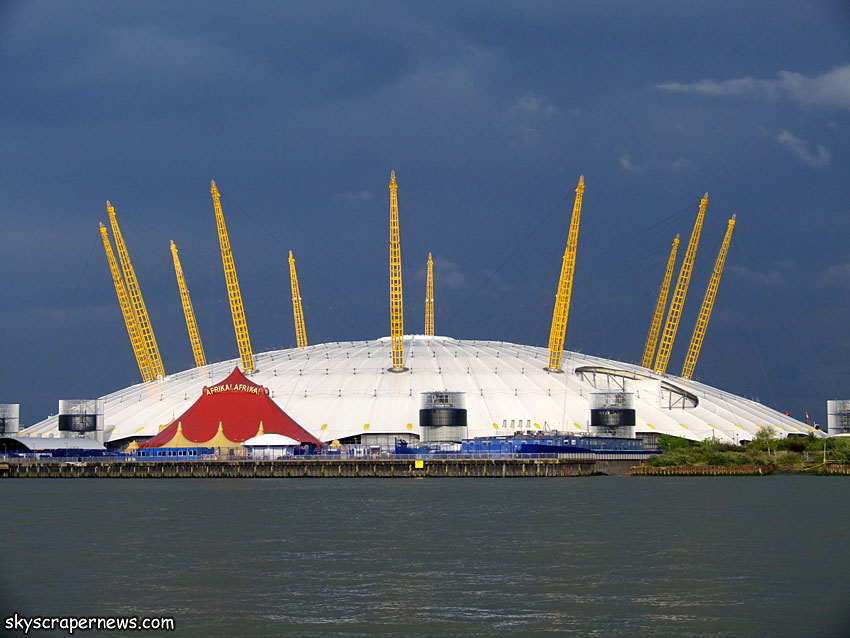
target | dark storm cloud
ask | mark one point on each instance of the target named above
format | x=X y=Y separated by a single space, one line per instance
x=487 y=111
x=134 y=64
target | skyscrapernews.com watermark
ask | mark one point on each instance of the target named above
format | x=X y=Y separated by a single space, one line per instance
x=70 y=624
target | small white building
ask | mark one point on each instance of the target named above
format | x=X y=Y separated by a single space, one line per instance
x=271 y=446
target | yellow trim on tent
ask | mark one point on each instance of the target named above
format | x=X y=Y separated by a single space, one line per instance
x=179 y=439
x=219 y=440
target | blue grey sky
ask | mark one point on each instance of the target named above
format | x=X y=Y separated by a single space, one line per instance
x=488 y=112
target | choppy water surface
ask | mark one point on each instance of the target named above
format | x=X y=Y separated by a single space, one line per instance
x=601 y=556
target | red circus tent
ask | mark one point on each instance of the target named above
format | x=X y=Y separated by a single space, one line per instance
x=227 y=414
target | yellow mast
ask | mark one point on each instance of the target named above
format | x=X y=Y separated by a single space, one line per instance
x=300 y=332
x=429 y=299
x=240 y=326
x=396 y=303
x=127 y=310
x=136 y=297
x=565 y=287
x=675 y=313
x=655 y=326
x=191 y=325
x=707 y=305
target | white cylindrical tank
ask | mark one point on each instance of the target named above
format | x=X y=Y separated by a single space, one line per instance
x=81 y=417
x=838 y=417
x=613 y=414
x=442 y=417
x=9 y=419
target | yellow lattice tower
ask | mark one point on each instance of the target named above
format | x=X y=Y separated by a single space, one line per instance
x=396 y=303
x=136 y=299
x=675 y=312
x=300 y=332
x=240 y=326
x=191 y=324
x=565 y=287
x=130 y=320
x=429 y=299
x=658 y=316
x=707 y=305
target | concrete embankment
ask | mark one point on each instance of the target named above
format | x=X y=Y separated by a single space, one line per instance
x=320 y=468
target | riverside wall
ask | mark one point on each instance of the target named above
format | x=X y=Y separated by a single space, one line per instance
x=320 y=468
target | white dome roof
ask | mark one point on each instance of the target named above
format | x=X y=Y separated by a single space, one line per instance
x=270 y=439
x=336 y=390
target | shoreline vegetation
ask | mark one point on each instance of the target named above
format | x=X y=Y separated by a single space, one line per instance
x=765 y=454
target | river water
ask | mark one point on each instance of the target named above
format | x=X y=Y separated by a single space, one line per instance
x=595 y=556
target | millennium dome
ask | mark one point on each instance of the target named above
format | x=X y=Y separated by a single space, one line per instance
x=378 y=391
x=345 y=391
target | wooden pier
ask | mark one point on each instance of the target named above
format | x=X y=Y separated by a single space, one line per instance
x=704 y=470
